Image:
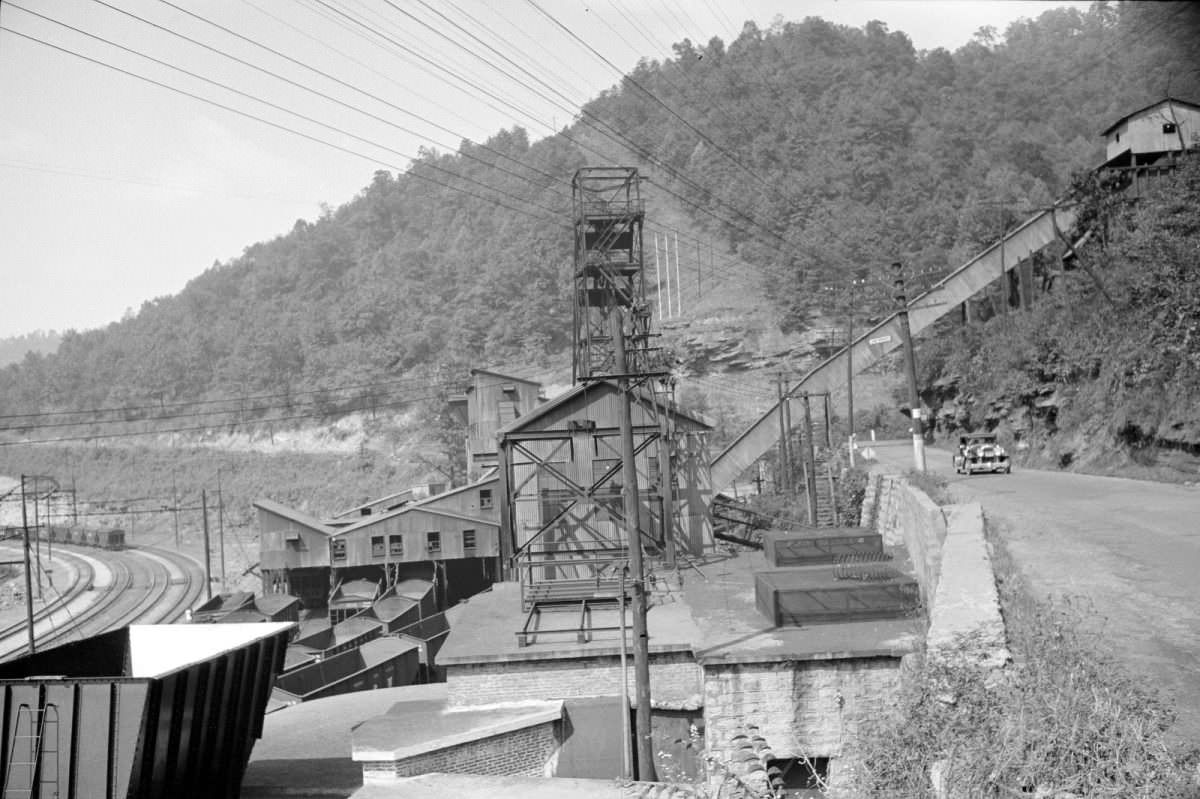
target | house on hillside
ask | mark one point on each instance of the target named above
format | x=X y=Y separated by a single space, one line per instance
x=561 y=514
x=1143 y=146
x=1151 y=133
x=491 y=401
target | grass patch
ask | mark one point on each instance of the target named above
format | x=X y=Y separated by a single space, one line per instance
x=1063 y=721
x=932 y=484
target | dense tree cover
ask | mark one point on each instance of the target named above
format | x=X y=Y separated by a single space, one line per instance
x=14 y=348
x=811 y=148
x=1111 y=357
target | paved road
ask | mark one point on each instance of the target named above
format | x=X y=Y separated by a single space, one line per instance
x=1129 y=547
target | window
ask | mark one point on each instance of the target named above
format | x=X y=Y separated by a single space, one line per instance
x=377 y=546
x=468 y=541
x=485 y=499
x=433 y=543
x=1118 y=138
x=1169 y=127
x=600 y=467
x=396 y=546
x=338 y=547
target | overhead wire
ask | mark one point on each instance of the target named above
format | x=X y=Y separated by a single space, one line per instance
x=279 y=77
x=549 y=210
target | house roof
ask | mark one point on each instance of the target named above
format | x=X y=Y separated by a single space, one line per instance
x=367 y=521
x=1141 y=111
x=408 y=492
x=579 y=391
x=491 y=478
x=299 y=517
x=507 y=378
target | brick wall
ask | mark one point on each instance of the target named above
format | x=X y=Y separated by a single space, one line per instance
x=810 y=708
x=528 y=752
x=674 y=680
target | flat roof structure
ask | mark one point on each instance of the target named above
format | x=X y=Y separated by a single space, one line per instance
x=712 y=614
x=308 y=746
x=420 y=722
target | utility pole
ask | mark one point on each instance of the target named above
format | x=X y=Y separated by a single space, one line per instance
x=207 y=563
x=37 y=539
x=918 y=433
x=850 y=381
x=221 y=527
x=175 y=507
x=810 y=463
x=28 y=575
x=785 y=464
x=629 y=496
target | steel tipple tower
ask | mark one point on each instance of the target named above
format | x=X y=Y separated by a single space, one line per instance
x=610 y=284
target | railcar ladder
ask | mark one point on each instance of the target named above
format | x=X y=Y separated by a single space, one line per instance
x=33 y=765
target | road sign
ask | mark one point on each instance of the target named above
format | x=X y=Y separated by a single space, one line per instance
x=879 y=340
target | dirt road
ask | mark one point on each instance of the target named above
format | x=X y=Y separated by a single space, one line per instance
x=1130 y=548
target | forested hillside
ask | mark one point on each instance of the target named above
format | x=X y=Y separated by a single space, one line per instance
x=14 y=348
x=807 y=149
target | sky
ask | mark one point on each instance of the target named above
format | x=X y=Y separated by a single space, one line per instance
x=124 y=176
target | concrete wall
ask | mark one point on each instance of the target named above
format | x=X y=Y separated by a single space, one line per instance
x=530 y=752
x=675 y=675
x=810 y=709
x=950 y=555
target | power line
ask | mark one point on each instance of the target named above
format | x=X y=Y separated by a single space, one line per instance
x=276 y=125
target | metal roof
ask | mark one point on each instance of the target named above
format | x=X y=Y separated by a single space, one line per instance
x=581 y=390
x=1140 y=111
x=271 y=506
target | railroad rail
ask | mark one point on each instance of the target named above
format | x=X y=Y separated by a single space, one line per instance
x=140 y=585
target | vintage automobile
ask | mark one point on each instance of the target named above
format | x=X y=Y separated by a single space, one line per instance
x=979 y=452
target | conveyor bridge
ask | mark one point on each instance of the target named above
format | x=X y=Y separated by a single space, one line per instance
x=942 y=298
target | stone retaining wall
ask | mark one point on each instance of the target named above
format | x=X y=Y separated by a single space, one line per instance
x=950 y=556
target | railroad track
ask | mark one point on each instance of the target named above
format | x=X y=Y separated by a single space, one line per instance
x=15 y=636
x=143 y=586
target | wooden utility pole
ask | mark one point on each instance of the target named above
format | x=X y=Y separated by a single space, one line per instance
x=810 y=463
x=785 y=462
x=207 y=563
x=28 y=575
x=629 y=496
x=175 y=508
x=221 y=528
x=918 y=432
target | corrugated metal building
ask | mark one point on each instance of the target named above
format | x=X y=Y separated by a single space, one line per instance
x=560 y=472
x=293 y=553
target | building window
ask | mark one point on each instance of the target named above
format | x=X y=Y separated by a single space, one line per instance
x=396 y=546
x=468 y=541
x=338 y=546
x=377 y=546
x=600 y=467
x=485 y=499
x=1169 y=127
x=1118 y=138
x=433 y=543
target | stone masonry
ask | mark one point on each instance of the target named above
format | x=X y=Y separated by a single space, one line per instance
x=529 y=752
x=808 y=708
x=674 y=680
